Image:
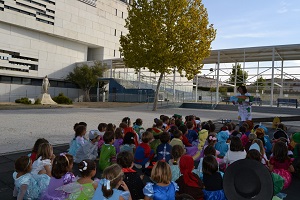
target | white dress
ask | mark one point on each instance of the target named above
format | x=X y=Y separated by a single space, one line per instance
x=39 y=165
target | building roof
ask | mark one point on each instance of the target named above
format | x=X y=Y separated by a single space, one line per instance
x=255 y=54
x=247 y=54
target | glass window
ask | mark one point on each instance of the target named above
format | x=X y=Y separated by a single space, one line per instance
x=60 y=84
x=5 y=79
x=36 y=82
x=26 y=81
x=70 y=85
x=53 y=83
x=16 y=80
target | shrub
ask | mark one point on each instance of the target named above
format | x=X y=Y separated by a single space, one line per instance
x=37 y=101
x=62 y=99
x=23 y=100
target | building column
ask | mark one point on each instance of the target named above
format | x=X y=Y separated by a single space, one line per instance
x=217 y=89
x=281 y=88
x=272 y=78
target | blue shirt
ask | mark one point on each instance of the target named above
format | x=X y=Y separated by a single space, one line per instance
x=192 y=136
x=164 y=152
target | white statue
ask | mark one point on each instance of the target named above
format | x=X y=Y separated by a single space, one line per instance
x=45 y=85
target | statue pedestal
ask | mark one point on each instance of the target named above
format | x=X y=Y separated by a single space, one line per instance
x=46 y=99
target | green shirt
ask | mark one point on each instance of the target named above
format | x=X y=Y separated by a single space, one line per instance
x=107 y=152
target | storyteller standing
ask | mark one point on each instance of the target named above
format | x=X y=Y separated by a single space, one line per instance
x=244 y=104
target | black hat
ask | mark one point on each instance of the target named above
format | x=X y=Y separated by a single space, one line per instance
x=248 y=179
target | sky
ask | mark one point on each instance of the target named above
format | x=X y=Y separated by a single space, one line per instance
x=249 y=23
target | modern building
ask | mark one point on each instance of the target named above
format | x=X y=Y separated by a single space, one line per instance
x=47 y=37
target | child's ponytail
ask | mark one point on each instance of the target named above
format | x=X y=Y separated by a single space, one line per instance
x=112 y=175
x=107 y=189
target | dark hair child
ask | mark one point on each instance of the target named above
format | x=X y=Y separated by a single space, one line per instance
x=164 y=149
x=26 y=186
x=108 y=151
x=131 y=177
x=61 y=175
x=87 y=169
x=185 y=140
x=212 y=179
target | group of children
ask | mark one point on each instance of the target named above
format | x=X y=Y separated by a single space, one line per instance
x=173 y=159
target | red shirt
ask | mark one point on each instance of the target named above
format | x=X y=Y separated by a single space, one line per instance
x=185 y=141
x=33 y=156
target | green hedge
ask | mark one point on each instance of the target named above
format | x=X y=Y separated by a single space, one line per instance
x=37 y=101
x=62 y=99
x=23 y=100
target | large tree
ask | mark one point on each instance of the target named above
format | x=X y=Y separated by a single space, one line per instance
x=167 y=34
x=86 y=77
x=241 y=75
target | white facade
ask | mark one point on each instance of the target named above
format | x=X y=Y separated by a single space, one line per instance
x=46 y=37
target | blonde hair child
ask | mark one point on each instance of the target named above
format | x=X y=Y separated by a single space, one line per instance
x=112 y=179
x=164 y=187
x=45 y=156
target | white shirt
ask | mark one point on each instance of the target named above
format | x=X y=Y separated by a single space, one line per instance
x=232 y=156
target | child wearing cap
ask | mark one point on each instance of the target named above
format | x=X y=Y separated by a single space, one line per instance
x=88 y=150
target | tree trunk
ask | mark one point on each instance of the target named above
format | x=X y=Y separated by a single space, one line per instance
x=86 y=97
x=156 y=92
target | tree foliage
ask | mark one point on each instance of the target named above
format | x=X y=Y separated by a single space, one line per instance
x=167 y=34
x=260 y=82
x=241 y=75
x=86 y=77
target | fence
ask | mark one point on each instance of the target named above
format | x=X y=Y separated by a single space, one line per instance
x=11 y=92
x=263 y=95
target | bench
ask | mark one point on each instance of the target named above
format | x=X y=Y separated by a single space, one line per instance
x=257 y=100
x=226 y=99
x=287 y=102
